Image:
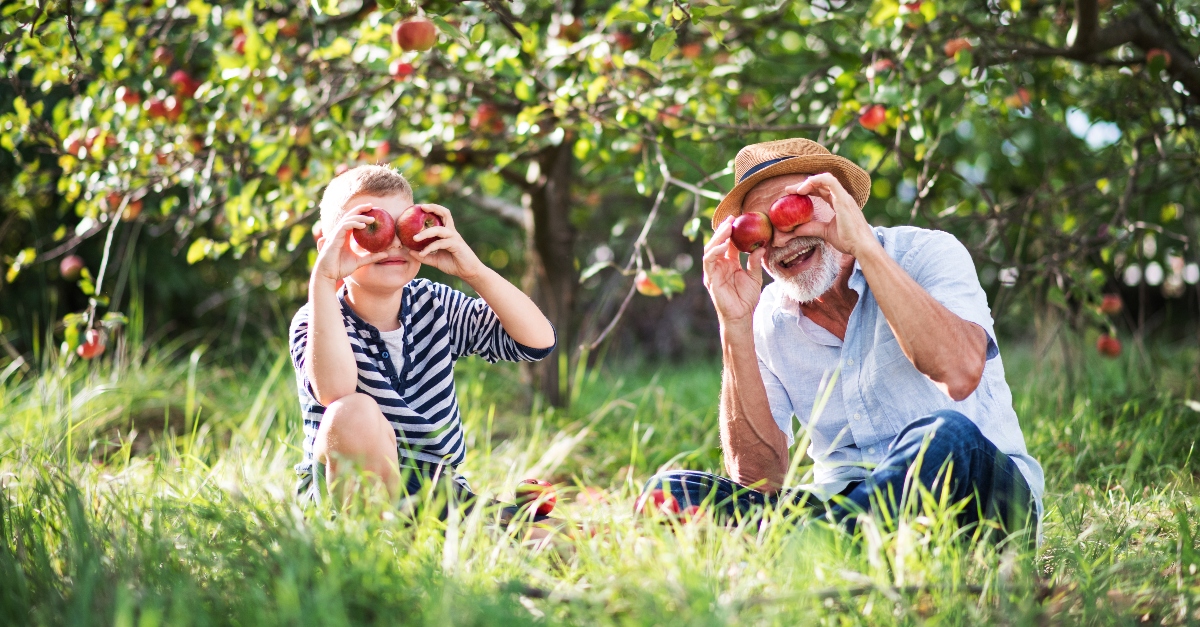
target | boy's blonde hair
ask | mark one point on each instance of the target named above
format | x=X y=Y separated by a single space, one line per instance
x=365 y=180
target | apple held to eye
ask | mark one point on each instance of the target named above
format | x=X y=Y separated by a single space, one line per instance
x=376 y=236
x=751 y=231
x=413 y=221
x=791 y=211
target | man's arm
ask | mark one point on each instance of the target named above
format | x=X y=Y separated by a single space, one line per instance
x=949 y=350
x=754 y=449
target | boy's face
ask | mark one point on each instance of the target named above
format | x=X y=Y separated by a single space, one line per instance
x=400 y=266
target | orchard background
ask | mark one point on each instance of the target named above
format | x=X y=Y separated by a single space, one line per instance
x=178 y=150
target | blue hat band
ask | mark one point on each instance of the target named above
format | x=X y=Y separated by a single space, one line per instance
x=764 y=164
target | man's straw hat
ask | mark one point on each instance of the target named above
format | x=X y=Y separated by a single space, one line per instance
x=757 y=162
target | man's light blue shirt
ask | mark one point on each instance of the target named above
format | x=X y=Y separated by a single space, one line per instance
x=877 y=390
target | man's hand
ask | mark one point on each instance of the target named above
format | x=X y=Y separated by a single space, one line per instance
x=449 y=252
x=734 y=289
x=335 y=259
x=848 y=231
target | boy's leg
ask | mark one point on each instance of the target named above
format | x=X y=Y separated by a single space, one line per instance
x=978 y=471
x=354 y=434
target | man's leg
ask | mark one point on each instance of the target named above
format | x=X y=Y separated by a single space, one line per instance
x=951 y=452
x=726 y=498
x=353 y=433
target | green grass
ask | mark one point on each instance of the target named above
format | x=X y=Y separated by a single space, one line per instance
x=108 y=518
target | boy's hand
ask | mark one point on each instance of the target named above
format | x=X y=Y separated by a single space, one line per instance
x=448 y=252
x=335 y=259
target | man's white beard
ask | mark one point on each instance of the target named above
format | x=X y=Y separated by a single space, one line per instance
x=812 y=283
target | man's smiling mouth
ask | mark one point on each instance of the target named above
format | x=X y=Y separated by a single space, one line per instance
x=798 y=257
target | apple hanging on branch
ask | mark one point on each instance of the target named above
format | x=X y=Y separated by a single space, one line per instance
x=1108 y=346
x=415 y=34
x=873 y=117
x=93 y=344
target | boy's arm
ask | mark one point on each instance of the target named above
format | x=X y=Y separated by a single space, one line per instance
x=518 y=314
x=329 y=363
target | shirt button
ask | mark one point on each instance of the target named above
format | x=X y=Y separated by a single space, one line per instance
x=858 y=416
x=386 y=355
x=850 y=361
x=871 y=451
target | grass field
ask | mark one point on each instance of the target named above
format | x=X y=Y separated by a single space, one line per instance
x=157 y=489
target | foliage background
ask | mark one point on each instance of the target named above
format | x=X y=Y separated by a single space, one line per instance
x=582 y=142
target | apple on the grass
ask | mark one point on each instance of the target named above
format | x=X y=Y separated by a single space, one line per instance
x=657 y=501
x=537 y=493
x=93 y=344
x=751 y=231
x=376 y=236
x=413 y=221
x=70 y=267
x=789 y=212
x=415 y=34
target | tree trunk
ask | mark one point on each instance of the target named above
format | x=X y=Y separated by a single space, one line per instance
x=552 y=278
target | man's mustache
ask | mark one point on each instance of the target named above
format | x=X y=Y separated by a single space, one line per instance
x=792 y=247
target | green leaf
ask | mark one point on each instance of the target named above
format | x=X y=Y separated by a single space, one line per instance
x=477 y=33
x=713 y=11
x=662 y=46
x=631 y=16
x=450 y=29
x=593 y=269
x=198 y=250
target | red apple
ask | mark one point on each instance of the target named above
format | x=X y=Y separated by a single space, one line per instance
x=132 y=210
x=174 y=108
x=1018 y=100
x=645 y=286
x=376 y=236
x=284 y=173
x=400 y=70
x=415 y=34
x=156 y=108
x=73 y=146
x=691 y=50
x=1111 y=304
x=413 y=221
x=487 y=119
x=70 y=267
x=93 y=344
x=658 y=501
x=162 y=56
x=751 y=230
x=537 y=493
x=1108 y=346
x=113 y=199
x=912 y=7
x=625 y=41
x=286 y=28
x=873 y=117
x=955 y=46
x=184 y=85
x=129 y=96
x=791 y=211
x=239 y=43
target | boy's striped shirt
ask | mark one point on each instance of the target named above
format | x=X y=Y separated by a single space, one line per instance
x=440 y=325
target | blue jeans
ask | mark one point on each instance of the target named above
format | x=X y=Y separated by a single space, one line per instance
x=980 y=472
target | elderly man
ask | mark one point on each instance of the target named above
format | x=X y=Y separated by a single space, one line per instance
x=890 y=325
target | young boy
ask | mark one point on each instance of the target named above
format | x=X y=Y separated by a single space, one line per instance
x=375 y=360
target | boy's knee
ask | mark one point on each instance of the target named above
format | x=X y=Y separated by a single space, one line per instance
x=352 y=426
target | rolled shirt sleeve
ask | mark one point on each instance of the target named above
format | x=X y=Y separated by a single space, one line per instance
x=944 y=268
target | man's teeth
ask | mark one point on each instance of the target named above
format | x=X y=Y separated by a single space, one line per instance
x=790 y=260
